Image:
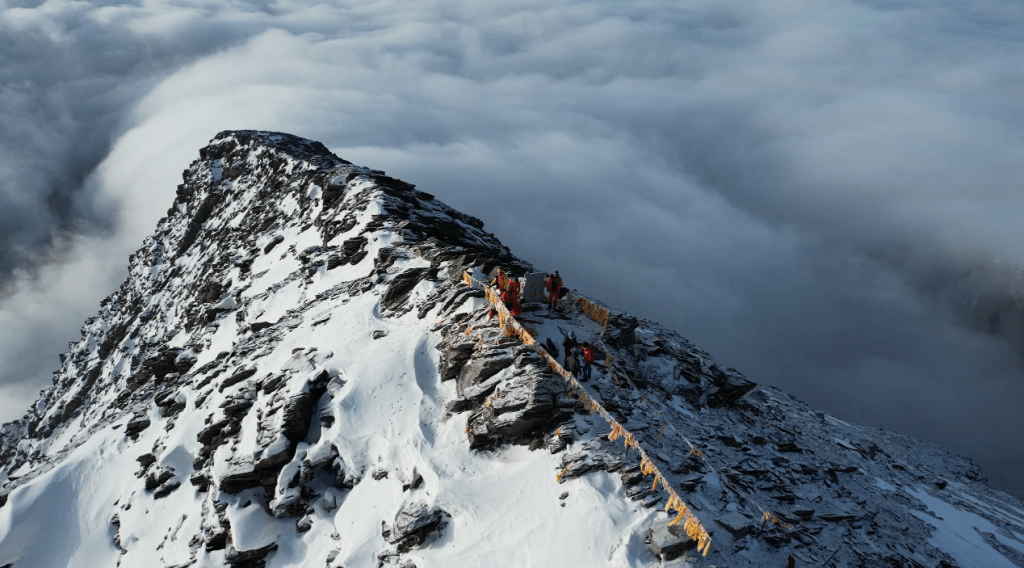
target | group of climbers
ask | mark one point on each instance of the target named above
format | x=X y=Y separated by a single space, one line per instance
x=579 y=359
x=509 y=289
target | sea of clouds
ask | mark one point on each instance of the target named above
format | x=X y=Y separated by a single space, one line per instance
x=824 y=194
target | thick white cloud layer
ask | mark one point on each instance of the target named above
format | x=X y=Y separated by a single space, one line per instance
x=813 y=191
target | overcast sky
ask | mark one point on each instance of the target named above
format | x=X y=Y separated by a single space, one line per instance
x=824 y=194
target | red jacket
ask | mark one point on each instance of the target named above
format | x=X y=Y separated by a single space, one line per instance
x=588 y=354
x=554 y=285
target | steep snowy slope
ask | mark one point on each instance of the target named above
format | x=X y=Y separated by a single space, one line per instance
x=295 y=374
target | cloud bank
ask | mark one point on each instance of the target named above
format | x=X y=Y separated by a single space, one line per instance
x=823 y=194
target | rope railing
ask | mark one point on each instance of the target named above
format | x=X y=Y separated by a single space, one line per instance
x=510 y=327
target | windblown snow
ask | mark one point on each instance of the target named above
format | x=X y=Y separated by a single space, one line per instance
x=294 y=374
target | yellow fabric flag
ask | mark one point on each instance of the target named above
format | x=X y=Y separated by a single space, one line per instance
x=646 y=467
x=559 y=476
x=683 y=512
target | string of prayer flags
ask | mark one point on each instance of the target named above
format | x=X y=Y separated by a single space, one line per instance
x=511 y=327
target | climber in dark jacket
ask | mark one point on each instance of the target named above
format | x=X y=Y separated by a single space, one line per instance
x=571 y=362
x=554 y=288
x=568 y=342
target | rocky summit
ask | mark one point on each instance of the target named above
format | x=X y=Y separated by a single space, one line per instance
x=303 y=369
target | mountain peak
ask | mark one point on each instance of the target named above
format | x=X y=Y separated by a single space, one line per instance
x=295 y=373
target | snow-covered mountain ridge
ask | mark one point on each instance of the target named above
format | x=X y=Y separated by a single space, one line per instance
x=294 y=374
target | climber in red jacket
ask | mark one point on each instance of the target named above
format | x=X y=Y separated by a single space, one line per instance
x=510 y=297
x=515 y=308
x=588 y=360
x=554 y=288
x=510 y=293
x=513 y=287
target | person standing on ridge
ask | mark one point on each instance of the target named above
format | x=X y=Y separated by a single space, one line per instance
x=510 y=296
x=572 y=361
x=588 y=360
x=500 y=280
x=569 y=342
x=512 y=285
x=554 y=287
x=507 y=294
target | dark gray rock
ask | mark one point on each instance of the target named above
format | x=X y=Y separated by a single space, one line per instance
x=210 y=292
x=158 y=366
x=166 y=489
x=136 y=426
x=271 y=384
x=236 y=408
x=275 y=461
x=414 y=524
x=298 y=411
x=737 y=524
x=240 y=476
x=146 y=460
x=259 y=326
x=216 y=540
x=480 y=368
x=460 y=296
x=399 y=289
x=114 y=337
x=352 y=249
x=474 y=395
x=668 y=542
x=207 y=436
x=454 y=358
x=460 y=405
x=157 y=478
x=730 y=385
x=273 y=243
x=255 y=558
x=200 y=481
x=534 y=413
x=195 y=226
x=168 y=403
x=550 y=347
x=237 y=378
